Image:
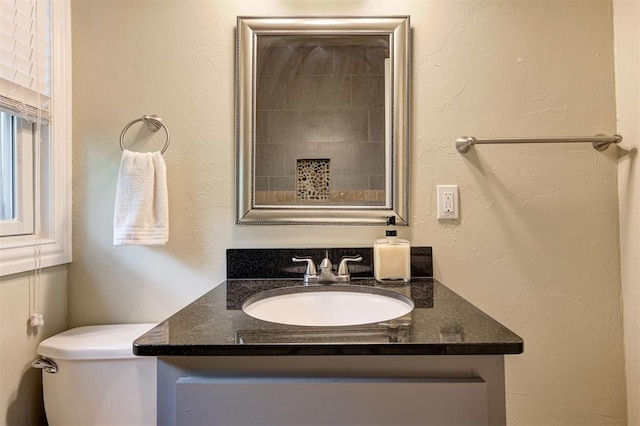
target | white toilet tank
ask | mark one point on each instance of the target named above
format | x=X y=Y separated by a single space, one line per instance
x=98 y=379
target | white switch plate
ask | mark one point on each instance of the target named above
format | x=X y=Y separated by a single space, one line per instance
x=448 y=205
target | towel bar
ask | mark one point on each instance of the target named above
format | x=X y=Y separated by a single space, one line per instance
x=600 y=142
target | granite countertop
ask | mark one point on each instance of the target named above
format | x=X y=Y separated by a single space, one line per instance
x=442 y=323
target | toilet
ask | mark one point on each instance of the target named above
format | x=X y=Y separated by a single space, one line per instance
x=91 y=377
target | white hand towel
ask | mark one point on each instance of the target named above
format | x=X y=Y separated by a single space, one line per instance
x=141 y=213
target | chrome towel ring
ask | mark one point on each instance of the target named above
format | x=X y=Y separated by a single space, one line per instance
x=154 y=123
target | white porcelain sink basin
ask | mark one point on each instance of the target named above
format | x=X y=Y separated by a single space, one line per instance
x=328 y=305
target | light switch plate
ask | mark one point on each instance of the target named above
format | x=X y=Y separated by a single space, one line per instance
x=448 y=205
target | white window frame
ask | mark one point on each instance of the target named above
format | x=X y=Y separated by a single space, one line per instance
x=52 y=170
x=23 y=201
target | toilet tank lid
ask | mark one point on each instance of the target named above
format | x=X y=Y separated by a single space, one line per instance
x=94 y=342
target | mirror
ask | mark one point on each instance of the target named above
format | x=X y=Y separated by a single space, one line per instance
x=322 y=120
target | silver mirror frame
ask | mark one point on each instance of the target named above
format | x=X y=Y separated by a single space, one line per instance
x=247 y=212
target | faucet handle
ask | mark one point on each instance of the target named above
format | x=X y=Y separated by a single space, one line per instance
x=311 y=267
x=343 y=269
x=326 y=264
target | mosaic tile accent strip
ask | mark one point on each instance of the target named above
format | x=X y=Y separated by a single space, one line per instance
x=370 y=197
x=313 y=180
x=275 y=197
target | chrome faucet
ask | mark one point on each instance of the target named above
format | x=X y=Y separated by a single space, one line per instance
x=326 y=275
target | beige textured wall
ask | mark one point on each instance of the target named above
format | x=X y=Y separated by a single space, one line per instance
x=20 y=385
x=537 y=243
x=627 y=54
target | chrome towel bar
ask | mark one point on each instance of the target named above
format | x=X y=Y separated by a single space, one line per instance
x=600 y=142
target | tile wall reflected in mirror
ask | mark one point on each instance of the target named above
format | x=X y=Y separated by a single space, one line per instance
x=320 y=99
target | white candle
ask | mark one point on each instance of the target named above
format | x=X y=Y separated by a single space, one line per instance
x=392 y=259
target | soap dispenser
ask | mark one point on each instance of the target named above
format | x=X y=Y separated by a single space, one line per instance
x=392 y=256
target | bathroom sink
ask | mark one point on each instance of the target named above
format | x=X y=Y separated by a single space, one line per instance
x=328 y=305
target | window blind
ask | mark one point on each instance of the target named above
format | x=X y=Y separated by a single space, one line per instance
x=25 y=54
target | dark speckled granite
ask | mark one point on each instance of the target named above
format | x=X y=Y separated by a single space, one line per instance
x=442 y=323
x=277 y=263
x=421 y=292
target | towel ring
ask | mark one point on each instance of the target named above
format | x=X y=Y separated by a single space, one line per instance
x=154 y=123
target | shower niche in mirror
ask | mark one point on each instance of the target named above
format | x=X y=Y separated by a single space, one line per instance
x=322 y=122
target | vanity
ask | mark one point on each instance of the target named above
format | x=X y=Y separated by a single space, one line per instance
x=441 y=363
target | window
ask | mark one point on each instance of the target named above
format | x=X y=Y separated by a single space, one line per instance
x=16 y=175
x=35 y=133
